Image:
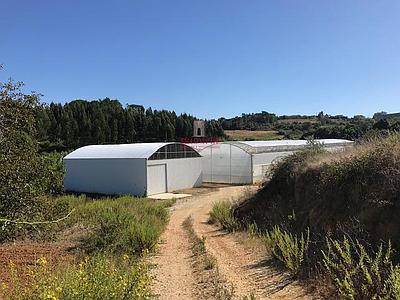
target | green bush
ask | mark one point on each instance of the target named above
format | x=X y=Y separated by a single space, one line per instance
x=358 y=274
x=98 y=277
x=222 y=213
x=288 y=248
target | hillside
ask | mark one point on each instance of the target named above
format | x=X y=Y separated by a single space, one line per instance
x=253 y=135
x=332 y=215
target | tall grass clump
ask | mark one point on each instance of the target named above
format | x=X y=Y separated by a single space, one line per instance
x=98 y=277
x=288 y=248
x=120 y=225
x=222 y=214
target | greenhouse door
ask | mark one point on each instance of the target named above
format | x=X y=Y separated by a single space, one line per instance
x=156 y=179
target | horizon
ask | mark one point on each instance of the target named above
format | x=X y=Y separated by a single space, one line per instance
x=209 y=59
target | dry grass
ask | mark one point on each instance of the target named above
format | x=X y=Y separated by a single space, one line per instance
x=211 y=283
x=253 y=135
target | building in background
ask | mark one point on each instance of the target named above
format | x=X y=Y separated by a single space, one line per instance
x=199 y=128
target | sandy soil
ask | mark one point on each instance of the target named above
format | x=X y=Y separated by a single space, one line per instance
x=248 y=270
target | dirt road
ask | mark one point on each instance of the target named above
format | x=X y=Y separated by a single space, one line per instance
x=249 y=272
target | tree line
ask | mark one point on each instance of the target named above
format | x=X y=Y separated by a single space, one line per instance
x=80 y=122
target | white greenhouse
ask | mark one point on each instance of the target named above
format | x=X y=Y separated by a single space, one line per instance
x=247 y=162
x=136 y=169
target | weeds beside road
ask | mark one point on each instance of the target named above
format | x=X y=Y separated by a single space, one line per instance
x=213 y=285
x=117 y=233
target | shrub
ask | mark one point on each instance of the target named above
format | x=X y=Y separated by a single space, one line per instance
x=359 y=275
x=222 y=213
x=97 y=277
x=288 y=248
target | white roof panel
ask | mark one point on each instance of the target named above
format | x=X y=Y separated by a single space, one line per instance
x=287 y=145
x=275 y=143
x=135 y=150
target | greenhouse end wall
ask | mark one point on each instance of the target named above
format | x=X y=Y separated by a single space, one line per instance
x=115 y=176
x=226 y=163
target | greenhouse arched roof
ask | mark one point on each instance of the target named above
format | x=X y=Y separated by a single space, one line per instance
x=135 y=150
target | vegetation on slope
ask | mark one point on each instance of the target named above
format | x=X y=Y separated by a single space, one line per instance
x=356 y=191
x=253 y=135
x=332 y=214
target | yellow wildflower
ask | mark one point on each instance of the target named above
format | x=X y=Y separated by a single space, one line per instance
x=42 y=261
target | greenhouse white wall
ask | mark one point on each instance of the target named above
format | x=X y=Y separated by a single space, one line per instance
x=133 y=169
x=246 y=162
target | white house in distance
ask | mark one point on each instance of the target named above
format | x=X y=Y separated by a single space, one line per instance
x=247 y=162
x=139 y=169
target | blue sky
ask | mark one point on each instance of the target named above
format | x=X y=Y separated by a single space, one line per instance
x=210 y=58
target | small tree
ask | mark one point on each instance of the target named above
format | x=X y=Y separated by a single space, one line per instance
x=24 y=177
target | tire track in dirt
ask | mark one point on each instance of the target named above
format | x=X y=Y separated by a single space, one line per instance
x=173 y=273
x=247 y=270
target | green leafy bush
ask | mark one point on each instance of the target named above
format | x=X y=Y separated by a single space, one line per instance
x=288 y=248
x=25 y=176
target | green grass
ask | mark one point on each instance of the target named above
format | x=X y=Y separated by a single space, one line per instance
x=120 y=225
x=222 y=214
